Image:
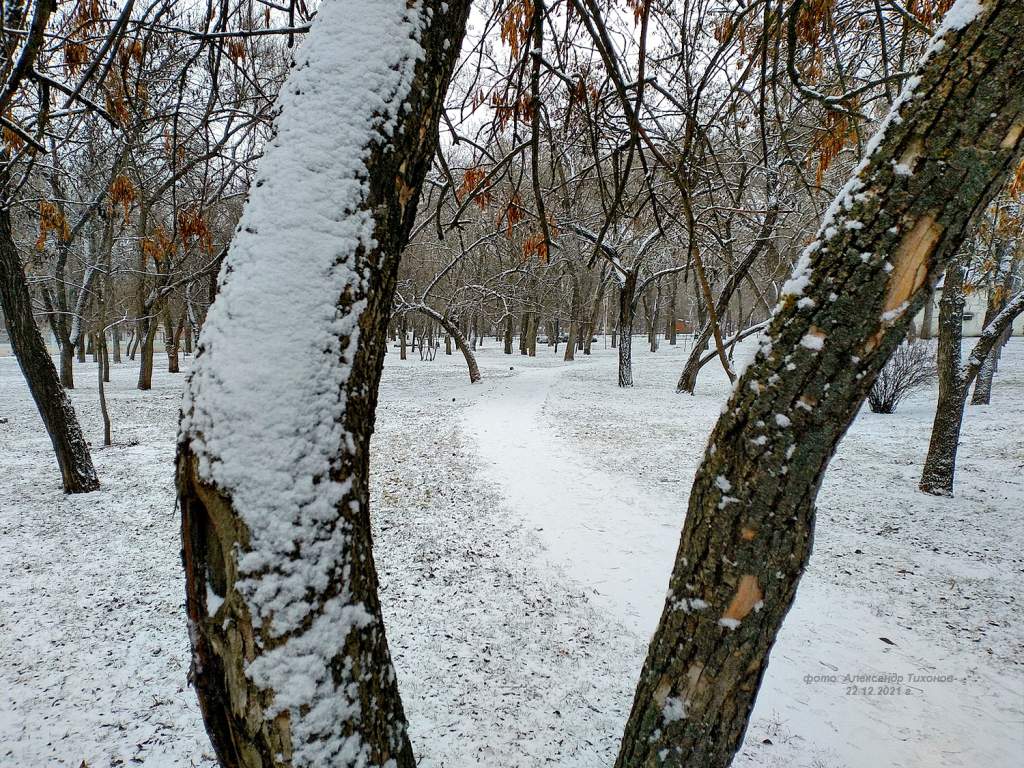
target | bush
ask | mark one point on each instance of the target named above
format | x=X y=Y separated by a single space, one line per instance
x=911 y=367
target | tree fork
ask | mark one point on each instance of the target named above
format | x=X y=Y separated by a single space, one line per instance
x=245 y=719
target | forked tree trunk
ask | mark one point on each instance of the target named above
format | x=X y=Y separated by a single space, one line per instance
x=750 y=519
x=290 y=660
x=954 y=382
x=595 y=309
x=55 y=409
x=986 y=374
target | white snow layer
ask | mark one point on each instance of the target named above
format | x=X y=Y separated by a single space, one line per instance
x=265 y=403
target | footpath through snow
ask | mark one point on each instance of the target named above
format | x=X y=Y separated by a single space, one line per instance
x=524 y=531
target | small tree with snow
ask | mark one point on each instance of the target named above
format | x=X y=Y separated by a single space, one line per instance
x=911 y=367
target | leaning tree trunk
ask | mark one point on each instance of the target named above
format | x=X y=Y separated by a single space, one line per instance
x=290 y=660
x=986 y=374
x=69 y=445
x=749 y=524
x=453 y=331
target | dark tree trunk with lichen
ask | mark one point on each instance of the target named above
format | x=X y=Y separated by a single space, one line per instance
x=937 y=477
x=239 y=715
x=69 y=445
x=750 y=520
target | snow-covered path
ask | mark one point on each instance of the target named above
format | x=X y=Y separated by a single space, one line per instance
x=603 y=476
x=517 y=635
x=599 y=526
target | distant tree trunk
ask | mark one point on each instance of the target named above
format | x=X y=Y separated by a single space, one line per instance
x=117 y=343
x=80 y=347
x=107 y=437
x=508 y=335
x=171 y=338
x=404 y=333
x=66 y=350
x=105 y=357
x=996 y=303
x=55 y=409
x=750 y=519
x=627 y=310
x=670 y=321
x=595 y=309
x=290 y=659
x=940 y=464
x=652 y=323
x=574 y=318
x=148 y=339
x=928 y=318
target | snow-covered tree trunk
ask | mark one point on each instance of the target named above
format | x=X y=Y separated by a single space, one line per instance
x=69 y=445
x=948 y=145
x=290 y=660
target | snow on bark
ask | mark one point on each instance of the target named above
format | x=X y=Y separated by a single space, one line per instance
x=265 y=404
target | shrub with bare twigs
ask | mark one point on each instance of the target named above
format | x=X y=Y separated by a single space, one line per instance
x=911 y=367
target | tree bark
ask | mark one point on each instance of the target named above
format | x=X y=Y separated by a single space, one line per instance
x=290 y=659
x=147 y=335
x=101 y=378
x=67 y=364
x=55 y=409
x=927 y=319
x=750 y=519
x=627 y=310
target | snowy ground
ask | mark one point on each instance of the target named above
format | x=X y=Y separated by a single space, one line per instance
x=525 y=527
